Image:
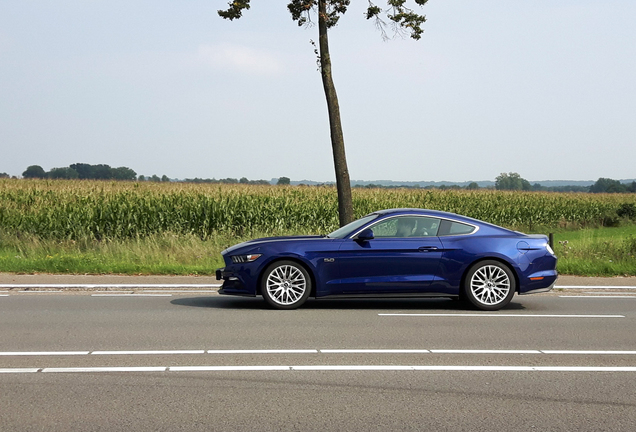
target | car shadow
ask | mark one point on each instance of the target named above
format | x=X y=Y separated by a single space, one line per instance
x=257 y=303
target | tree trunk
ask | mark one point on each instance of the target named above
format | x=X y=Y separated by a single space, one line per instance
x=345 y=203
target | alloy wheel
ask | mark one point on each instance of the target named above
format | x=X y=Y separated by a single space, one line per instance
x=490 y=285
x=286 y=285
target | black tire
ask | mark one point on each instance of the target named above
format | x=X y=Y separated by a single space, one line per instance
x=285 y=285
x=489 y=285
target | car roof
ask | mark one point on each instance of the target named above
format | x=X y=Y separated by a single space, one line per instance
x=421 y=212
x=441 y=214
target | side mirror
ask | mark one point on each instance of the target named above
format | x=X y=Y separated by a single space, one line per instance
x=365 y=234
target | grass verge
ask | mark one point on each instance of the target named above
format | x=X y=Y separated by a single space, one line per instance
x=597 y=252
x=164 y=254
x=583 y=252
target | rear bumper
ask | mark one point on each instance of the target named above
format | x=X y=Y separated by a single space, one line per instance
x=539 y=290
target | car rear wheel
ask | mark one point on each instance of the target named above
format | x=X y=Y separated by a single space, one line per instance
x=285 y=285
x=489 y=285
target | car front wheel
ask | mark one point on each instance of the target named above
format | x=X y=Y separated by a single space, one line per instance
x=285 y=285
x=489 y=285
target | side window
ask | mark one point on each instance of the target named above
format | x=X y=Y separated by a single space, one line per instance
x=406 y=226
x=448 y=228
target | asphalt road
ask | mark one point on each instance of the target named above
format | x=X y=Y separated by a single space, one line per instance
x=199 y=361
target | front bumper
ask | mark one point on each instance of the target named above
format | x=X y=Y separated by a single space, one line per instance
x=232 y=284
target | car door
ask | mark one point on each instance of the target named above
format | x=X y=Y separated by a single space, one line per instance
x=402 y=258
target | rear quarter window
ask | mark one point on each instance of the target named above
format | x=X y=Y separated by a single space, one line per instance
x=448 y=228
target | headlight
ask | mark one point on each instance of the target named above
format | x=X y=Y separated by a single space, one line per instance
x=237 y=259
x=549 y=249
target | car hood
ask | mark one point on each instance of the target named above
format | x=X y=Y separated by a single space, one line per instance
x=260 y=241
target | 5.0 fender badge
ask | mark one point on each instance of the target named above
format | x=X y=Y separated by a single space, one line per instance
x=329 y=259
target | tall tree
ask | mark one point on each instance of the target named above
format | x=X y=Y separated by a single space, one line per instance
x=512 y=181
x=34 y=171
x=402 y=20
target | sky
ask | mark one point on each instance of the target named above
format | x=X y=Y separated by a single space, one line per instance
x=544 y=88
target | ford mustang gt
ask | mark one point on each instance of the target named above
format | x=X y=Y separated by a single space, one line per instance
x=393 y=253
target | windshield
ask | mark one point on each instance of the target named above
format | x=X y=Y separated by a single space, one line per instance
x=351 y=227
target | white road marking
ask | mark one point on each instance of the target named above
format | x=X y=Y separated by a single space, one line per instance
x=265 y=351
x=591 y=286
x=478 y=351
x=588 y=352
x=319 y=351
x=227 y=368
x=110 y=285
x=606 y=293
x=4 y=295
x=114 y=292
x=306 y=368
x=499 y=315
x=156 y=352
x=183 y=291
x=374 y=351
x=131 y=295
x=19 y=370
x=467 y=368
x=40 y=292
x=597 y=296
x=351 y=367
x=109 y=369
x=44 y=353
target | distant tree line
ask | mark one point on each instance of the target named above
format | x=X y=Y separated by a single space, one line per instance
x=513 y=181
x=154 y=178
x=242 y=180
x=505 y=181
x=81 y=171
x=470 y=186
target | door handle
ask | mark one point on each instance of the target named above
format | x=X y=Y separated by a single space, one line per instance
x=427 y=248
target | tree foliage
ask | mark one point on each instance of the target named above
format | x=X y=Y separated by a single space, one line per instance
x=607 y=185
x=472 y=186
x=103 y=172
x=512 y=181
x=34 y=171
x=62 y=173
x=397 y=14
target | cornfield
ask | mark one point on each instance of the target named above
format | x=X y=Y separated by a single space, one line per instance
x=117 y=210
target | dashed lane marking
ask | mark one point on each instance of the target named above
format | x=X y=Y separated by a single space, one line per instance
x=109 y=369
x=131 y=295
x=375 y=351
x=598 y=296
x=497 y=315
x=265 y=351
x=594 y=286
x=44 y=353
x=153 y=352
x=13 y=286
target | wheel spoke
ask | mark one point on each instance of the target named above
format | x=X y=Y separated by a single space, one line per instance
x=490 y=284
x=286 y=284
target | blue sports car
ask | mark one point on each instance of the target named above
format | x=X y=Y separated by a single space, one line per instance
x=393 y=253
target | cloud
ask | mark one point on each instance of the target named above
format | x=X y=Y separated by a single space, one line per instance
x=237 y=58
